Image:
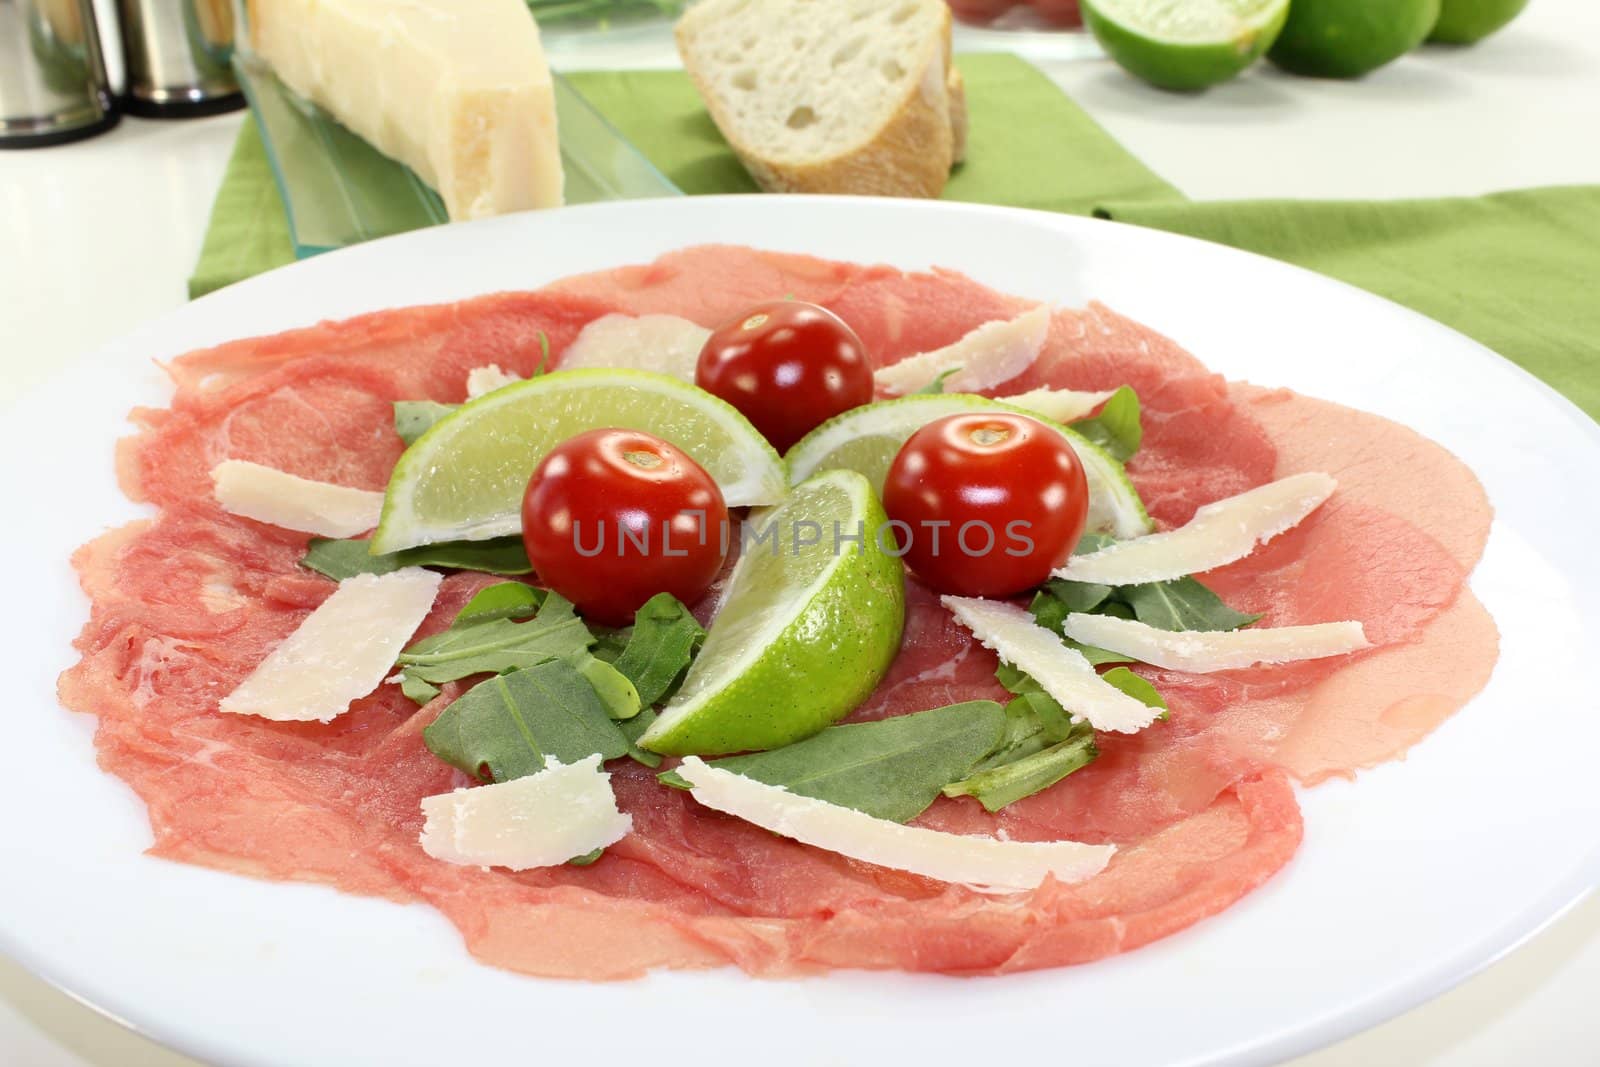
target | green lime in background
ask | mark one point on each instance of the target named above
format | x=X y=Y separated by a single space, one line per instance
x=1185 y=45
x=1348 y=38
x=1470 y=21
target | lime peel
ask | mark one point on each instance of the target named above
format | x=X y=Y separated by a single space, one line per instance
x=865 y=439
x=1185 y=45
x=464 y=478
x=805 y=632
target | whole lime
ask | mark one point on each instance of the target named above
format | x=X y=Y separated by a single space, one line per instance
x=1348 y=38
x=1470 y=21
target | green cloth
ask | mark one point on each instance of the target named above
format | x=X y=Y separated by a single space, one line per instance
x=248 y=232
x=1056 y=160
x=1520 y=272
x=1029 y=144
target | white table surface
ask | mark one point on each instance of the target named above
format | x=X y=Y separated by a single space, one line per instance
x=98 y=237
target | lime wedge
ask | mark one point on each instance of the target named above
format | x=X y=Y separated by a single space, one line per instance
x=1185 y=44
x=866 y=439
x=810 y=624
x=463 y=480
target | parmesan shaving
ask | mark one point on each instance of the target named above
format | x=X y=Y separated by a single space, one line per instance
x=340 y=652
x=279 y=498
x=665 y=344
x=1204 y=651
x=483 y=380
x=1065 y=674
x=1061 y=405
x=1218 y=534
x=540 y=820
x=985 y=862
x=993 y=353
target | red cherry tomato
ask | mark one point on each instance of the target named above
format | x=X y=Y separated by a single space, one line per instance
x=787 y=366
x=986 y=504
x=1058 y=12
x=613 y=517
x=981 y=10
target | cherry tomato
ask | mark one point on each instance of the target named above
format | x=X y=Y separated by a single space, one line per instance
x=1058 y=12
x=986 y=504
x=787 y=366
x=981 y=11
x=613 y=517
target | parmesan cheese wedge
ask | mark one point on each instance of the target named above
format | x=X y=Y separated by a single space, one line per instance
x=483 y=380
x=1060 y=405
x=458 y=90
x=990 y=354
x=268 y=495
x=540 y=820
x=665 y=344
x=976 y=861
x=1065 y=674
x=340 y=652
x=1204 y=651
x=1219 y=533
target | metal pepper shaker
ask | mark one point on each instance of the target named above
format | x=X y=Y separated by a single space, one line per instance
x=53 y=85
x=177 y=54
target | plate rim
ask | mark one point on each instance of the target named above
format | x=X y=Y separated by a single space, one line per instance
x=1306 y=1036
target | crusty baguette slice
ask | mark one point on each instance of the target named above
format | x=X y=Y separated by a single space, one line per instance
x=830 y=96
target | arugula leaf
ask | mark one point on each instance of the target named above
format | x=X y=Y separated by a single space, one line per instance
x=1092 y=542
x=413 y=418
x=935 y=387
x=892 y=769
x=1050 y=611
x=1181 y=604
x=1116 y=429
x=503 y=600
x=620 y=698
x=495 y=645
x=633 y=729
x=346 y=559
x=507 y=726
x=544 y=357
x=1137 y=687
x=1024 y=735
x=1054 y=722
x=416 y=689
x=1010 y=782
x=674 y=780
x=659 y=647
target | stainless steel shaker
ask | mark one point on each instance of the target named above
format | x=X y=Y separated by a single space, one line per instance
x=53 y=85
x=177 y=54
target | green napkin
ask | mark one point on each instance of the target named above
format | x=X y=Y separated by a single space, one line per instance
x=1030 y=146
x=1519 y=272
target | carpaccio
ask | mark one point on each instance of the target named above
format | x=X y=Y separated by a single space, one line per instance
x=188 y=602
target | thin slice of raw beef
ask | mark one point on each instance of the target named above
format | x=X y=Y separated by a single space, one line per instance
x=185 y=605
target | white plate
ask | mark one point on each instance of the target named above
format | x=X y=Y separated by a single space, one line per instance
x=1409 y=879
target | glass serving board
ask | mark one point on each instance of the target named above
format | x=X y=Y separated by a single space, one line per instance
x=338 y=190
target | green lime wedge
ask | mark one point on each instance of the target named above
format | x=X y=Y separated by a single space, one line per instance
x=1185 y=44
x=866 y=439
x=1470 y=21
x=810 y=623
x=1348 y=38
x=463 y=480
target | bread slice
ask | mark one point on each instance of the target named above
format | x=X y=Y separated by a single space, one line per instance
x=830 y=96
